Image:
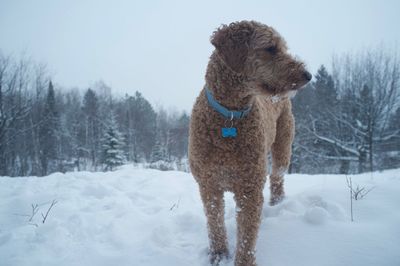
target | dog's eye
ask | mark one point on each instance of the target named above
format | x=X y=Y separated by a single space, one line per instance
x=271 y=49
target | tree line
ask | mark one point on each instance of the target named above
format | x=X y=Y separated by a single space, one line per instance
x=347 y=121
x=45 y=128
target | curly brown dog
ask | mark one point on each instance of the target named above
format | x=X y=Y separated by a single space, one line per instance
x=250 y=70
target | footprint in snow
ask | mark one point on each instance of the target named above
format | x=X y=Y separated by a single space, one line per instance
x=312 y=209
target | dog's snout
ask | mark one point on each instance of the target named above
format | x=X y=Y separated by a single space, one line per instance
x=307 y=75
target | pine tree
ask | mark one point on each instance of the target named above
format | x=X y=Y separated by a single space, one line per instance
x=326 y=103
x=112 y=153
x=325 y=89
x=158 y=153
x=145 y=118
x=49 y=131
x=129 y=128
x=91 y=130
x=178 y=137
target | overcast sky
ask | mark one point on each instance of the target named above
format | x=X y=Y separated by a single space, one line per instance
x=161 y=48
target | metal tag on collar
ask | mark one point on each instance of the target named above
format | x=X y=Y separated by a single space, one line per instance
x=229 y=132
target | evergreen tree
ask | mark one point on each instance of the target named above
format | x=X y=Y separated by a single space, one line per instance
x=178 y=136
x=144 y=125
x=73 y=129
x=324 y=107
x=126 y=111
x=91 y=129
x=158 y=153
x=49 y=132
x=325 y=89
x=112 y=153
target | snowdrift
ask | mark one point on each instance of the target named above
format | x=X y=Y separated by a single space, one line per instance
x=148 y=217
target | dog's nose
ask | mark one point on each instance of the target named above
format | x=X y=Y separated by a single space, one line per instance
x=307 y=75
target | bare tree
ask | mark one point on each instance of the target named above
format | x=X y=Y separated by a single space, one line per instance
x=369 y=86
x=346 y=118
x=13 y=109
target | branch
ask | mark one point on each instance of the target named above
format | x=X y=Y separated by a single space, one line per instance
x=334 y=142
x=360 y=192
x=35 y=209
x=339 y=158
x=175 y=205
x=394 y=134
x=48 y=211
x=348 y=124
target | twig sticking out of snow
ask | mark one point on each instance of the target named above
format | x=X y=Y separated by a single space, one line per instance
x=356 y=193
x=48 y=211
x=35 y=209
x=350 y=186
x=361 y=192
x=175 y=205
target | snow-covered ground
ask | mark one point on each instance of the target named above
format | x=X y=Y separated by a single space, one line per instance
x=147 y=217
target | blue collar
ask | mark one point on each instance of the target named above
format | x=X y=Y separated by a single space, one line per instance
x=229 y=114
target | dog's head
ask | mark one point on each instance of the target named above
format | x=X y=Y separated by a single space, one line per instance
x=260 y=54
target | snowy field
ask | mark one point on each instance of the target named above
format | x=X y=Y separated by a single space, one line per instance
x=147 y=217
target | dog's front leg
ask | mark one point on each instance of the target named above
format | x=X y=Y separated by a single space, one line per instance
x=213 y=201
x=249 y=203
x=281 y=151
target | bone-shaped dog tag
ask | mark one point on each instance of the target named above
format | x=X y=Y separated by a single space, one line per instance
x=229 y=132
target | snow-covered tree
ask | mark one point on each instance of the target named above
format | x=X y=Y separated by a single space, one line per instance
x=112 y=148
x=91 y=134
x=178 y=136
x=49 y=132
x=144 y=118
x=158 y=153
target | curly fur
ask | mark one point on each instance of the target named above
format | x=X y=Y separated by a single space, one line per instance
x=249 y=66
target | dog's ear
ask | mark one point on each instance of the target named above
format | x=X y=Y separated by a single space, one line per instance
x=232 y=43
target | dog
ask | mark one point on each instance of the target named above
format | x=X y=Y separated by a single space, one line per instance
x=243 y=113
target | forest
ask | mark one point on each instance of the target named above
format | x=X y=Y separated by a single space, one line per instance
x=347 y=121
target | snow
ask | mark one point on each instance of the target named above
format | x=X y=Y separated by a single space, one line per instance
x=148 y=217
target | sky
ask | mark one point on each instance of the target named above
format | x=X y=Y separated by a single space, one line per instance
x=161 y=48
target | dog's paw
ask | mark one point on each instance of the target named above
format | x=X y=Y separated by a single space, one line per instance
x=218 y=256
x=276 y=199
